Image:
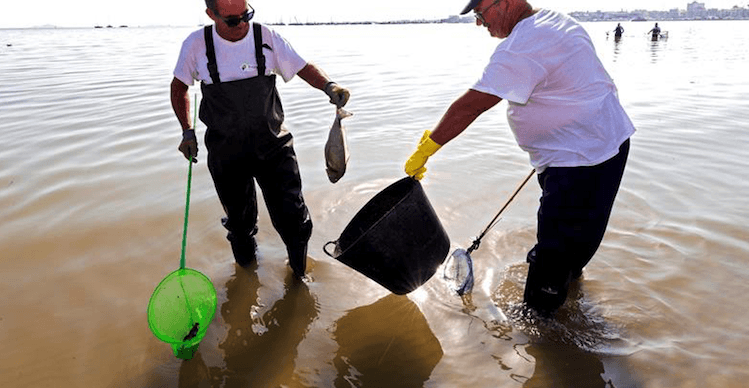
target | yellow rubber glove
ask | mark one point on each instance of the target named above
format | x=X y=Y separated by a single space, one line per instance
x=426 y=148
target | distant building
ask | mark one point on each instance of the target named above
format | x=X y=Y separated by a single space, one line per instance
x=696 y=7
x=694 y=11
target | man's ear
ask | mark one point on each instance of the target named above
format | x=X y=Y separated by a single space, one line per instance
x=210 y=14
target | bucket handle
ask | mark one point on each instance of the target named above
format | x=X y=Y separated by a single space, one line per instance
x=325 y=248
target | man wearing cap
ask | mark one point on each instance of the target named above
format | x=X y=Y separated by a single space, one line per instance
x=245 y=137
x=564 y=111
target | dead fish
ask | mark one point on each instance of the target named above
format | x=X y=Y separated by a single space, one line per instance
x=336 y=149
x=193 y=332
x=458 y=271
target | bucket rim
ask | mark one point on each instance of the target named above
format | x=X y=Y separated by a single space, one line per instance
x=414 y=183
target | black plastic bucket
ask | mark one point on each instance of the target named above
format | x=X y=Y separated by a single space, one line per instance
x=396 y=239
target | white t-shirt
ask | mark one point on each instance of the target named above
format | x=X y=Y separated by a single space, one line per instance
x=563 y=106
x=236 y=60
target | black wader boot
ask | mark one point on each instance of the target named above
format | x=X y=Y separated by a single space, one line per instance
x=243 y=245
x=546 y=286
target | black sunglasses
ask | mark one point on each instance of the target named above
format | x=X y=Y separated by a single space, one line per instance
x=480 y=14
x=235 y=20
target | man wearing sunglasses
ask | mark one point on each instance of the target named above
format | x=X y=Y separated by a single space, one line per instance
x=236 y=63
x=564 y=111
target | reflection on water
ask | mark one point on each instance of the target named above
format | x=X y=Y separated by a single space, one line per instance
x=564 y=366
x=617 y=46
x=657 y=48
x=569 y=350
x=258 y=351
x=92 y=204
x=385 y=344
x=577 y=323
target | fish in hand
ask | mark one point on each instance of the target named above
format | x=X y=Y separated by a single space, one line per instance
x=336 y=148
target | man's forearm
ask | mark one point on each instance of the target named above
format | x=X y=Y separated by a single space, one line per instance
x=181 y=103
x=314 y=76
x=461 y=114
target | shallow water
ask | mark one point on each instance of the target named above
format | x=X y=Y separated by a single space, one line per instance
x=92 y=193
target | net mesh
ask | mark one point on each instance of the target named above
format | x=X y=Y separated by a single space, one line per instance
x=181 y=307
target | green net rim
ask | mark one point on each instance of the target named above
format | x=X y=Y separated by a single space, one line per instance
x=201 y=332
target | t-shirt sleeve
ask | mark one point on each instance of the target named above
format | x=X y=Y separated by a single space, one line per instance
x=510 y=76
x=186 y=68
x=288 y=61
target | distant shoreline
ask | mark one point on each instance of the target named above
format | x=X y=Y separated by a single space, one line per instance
x=586 y=16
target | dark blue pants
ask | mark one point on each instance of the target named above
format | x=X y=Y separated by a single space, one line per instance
x=573 y=214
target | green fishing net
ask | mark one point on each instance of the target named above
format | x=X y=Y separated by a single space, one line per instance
x=180 y=310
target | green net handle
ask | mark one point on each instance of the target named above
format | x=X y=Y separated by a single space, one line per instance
x=187 y=211
x=187 y=200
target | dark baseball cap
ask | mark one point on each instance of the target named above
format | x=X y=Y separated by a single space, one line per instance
x=471 y=5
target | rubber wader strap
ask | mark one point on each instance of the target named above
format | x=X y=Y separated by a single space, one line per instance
x=259 y=49
x=210 y=52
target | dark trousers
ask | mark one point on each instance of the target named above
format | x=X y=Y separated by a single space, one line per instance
x=234 y=176
x=573 y=214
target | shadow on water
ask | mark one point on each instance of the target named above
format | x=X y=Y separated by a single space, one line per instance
x=257 y=352
x=385 y=344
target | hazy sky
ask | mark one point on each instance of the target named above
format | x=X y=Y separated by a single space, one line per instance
x=87 y=13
